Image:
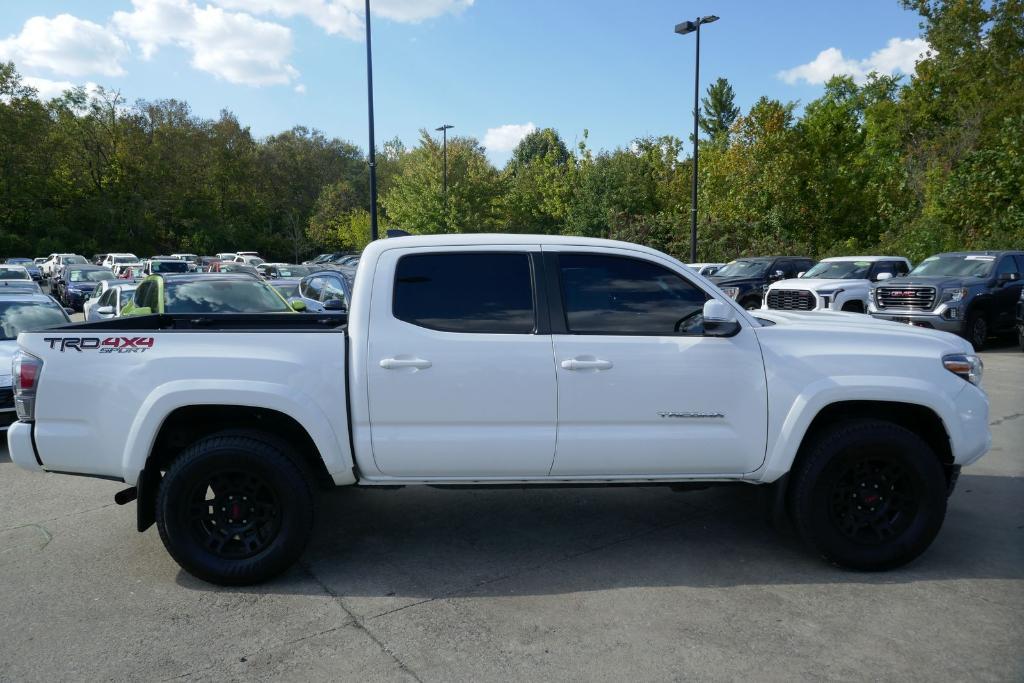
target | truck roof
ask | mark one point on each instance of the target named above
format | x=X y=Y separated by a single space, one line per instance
x=872 y=259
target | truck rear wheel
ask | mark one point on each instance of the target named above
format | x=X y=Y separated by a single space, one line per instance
x=869 y=495
x=235 y=508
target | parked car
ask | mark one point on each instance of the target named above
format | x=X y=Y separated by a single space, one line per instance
x=165 y=264
x=327 y=290
x=97 y=259
x=705 y=269
x=101 y=289
x=840 y=283
x=129 y=271
x=970 y=293
x=328 y=258
x=272 y=271
x=111 y=260
x=21 y=312
x=29 y=265
x=288 y=288
x=232 y=267
x=14 y=272
x=248 y=260
x=226 y=256
x=53 y=264
x=77 y=283
x=112 y=302
x=747 y=279
x=206 y=264
x=191 y=259
x=194 y=293
x=39 y=260
x=464 y=359
x=1020 y=320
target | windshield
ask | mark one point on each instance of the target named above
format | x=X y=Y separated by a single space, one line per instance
x=955 y=266
x=743 y=269
x=840 y=270
x=292 y=271
x=18 y=261
x=90 y=275
x=169 y=266
x=288 y=291
x=222 y=296
x=14 y=274
x=126 y=259
x=23 y=316
x=74 y=259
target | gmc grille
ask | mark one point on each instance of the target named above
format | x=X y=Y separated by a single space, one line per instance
x=791 y=299
x=908 y=298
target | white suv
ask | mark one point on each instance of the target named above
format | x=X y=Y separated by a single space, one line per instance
x=111 y=260
x=841 y=283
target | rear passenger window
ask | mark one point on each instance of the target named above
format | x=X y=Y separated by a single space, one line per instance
x=619 y=295
x=466 y=292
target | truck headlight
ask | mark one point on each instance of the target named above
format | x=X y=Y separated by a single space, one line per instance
x=954 y=294
x=731 y=292
x=965 y=365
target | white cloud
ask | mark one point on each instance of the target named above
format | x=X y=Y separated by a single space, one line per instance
x=898 y=56
x=345 y=17
x=505 y=138
x=300 y=88
x=65 y=45
x=47 y=89
x=233 y=46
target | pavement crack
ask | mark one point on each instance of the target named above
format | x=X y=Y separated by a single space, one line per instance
x=1005 y=418
x=358 y=623
x=52 y=519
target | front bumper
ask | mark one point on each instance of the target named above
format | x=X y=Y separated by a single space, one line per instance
x=934 y=320
x=19 y=444
x=973 y=439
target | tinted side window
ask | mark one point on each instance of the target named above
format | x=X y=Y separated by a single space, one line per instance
x=1007 y=265
x=466 y=292
x=619 y=295
x=333 y=290
x=885 y=267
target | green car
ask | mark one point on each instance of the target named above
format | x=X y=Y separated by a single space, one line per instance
x=206 y=293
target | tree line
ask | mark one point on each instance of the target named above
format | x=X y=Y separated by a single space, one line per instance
x=908 y=166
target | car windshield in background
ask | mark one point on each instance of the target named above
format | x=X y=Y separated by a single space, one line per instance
x=292 y=271
x=956 y=266
x=125 y=259
x=170 y=266
x=21 y=316
x=288 y=291
x=14 y=274
x=222 y=296
x=18 y=261
x=90 y=275
x=743 y=269
x=840 y=270
x=72 y=260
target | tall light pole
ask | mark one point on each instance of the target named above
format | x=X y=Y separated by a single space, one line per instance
x=682 y=29
x=444 y=128
x=373 y=148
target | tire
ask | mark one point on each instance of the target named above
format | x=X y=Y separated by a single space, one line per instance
x=752 y=304
x=257 y=475
x=853 y=307
x=860 y=458
x=976 y=331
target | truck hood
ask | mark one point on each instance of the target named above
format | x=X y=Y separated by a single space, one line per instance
x=851 y=324
x=816 y=284
x=736 y=281
x=937 y=281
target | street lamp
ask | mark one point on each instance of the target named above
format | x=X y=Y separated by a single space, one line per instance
x=682 y=29
x=373 y=149
x=444 y=128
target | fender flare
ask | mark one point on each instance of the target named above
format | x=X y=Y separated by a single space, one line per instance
x=166 y=398
x=826 y=392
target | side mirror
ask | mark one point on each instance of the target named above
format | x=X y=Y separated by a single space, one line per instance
x=1008 y=277
x=777 y=275
x=297 y=305
x=883 y=276
x=105 y=310
x=719 y=319
x=801 y=273
x=334 y=305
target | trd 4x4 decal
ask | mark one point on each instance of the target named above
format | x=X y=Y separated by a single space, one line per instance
x=102 y=344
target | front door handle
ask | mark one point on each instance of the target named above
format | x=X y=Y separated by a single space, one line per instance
x=396 y=363
x=586 y=364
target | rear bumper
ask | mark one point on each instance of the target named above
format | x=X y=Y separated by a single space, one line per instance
x=21 y=448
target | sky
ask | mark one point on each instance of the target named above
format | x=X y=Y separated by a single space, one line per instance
x=494 y=69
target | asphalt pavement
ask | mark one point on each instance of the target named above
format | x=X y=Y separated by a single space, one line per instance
x=584 y=584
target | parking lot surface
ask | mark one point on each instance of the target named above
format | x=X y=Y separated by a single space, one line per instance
x=580 y=584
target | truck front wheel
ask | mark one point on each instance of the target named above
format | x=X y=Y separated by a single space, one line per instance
x=235 y=508
x=868 y=495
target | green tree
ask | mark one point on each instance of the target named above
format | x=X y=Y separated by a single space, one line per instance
x=719 y=110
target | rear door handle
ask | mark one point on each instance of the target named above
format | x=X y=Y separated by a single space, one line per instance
x=396 y=363
x=595 y=364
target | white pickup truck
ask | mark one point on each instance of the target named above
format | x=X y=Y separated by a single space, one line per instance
x=504 y=360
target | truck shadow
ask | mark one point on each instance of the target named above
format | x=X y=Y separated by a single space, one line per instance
x=386 y=547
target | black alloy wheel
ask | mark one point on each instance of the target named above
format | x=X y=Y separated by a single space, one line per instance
x=873 y=500
x=977 y=330
x=234 y=514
